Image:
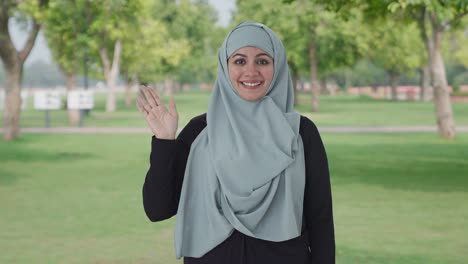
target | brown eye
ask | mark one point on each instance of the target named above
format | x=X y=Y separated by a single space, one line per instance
x=239 y=61
x=263 y=62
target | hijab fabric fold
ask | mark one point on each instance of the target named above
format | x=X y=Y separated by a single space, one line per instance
x=245 y=170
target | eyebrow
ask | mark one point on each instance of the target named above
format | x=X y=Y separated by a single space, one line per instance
x=258 y=55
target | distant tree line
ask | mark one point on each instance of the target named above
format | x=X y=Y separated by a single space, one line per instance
x=347 y=42
x=363 y=73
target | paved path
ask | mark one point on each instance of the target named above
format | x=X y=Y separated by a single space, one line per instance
x=127 y=130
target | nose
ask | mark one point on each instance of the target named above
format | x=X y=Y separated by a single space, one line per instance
x=251 y=69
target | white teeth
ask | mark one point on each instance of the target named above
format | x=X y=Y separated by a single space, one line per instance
x=251 y=84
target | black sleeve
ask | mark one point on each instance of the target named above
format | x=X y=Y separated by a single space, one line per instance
x=317 y=197
x=163 y=182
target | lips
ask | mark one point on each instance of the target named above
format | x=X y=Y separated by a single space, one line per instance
x=251 y=84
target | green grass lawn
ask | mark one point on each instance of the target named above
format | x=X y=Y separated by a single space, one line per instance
x=343 y=110
x=398 y=198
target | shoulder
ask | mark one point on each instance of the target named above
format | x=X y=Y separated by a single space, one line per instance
x=200 y=120
x=310 y=135
x=307 y=127
x=192 y=129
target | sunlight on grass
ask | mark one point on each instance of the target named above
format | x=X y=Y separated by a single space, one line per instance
x=398 y=198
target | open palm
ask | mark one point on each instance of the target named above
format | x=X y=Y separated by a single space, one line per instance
x=162 y=121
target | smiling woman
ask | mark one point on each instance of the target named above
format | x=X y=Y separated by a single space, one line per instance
x=251 y=72
x=249 y=179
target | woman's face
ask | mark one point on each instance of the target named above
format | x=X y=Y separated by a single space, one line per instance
x=251 y=72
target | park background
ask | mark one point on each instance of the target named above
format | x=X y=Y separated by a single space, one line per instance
x=72 y=193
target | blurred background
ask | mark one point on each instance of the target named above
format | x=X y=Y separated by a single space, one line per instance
x=386 y=82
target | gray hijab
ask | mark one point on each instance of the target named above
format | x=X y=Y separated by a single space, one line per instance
x=245 y=170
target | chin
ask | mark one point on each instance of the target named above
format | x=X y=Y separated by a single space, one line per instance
x=251 y=97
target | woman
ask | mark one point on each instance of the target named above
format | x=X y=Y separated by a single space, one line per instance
x=249 y=180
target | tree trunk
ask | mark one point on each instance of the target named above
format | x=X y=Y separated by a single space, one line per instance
x=128 y=91
x=323 y=86
x=347 y=76
x=70 y=84
x=12 y=110
x=177 y=86
x=13 y=61
x=111 y=71
x=315 y=88
x=443 y=105
x=424 y=82
x=111 y=99
x=295 y=78
x=394 y=79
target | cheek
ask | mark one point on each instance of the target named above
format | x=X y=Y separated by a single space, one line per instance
x=233 y=75
x=268 y=74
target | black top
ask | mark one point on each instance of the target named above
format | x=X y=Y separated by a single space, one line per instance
x=163 y=184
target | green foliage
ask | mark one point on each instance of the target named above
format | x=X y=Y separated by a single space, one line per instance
x=395 y=46
x=149 y=45
x=339 y=42
x=192 y=23
x=459 y=79
x=445 y=11
x=457 y=44
x=36 y=9
x=110 y=21
x=82 y=26
x=366 y=73
x=281 y=18
x=66 y=33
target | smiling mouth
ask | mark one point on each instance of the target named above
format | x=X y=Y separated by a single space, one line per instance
x=251 y=84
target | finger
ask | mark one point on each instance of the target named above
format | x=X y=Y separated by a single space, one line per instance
x=141 y=91
x=143 y=110
x=156 y=97
x=149 y=97
x=173 y=107
x=144 y=105
x=141 y=100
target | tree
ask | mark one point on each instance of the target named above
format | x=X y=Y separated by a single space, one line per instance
x=440 y=15
x=65 y=30
x=109 y=30
x=366 y=73
x=434 y=19
x=96 y=28
x=191 y=23
x=148 y=47
x=314 y=38
x=395 y=47
x=455 y=54
x=13 y=59
x=461 y=51
x=196 y=21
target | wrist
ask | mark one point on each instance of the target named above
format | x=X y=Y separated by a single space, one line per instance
x=165 y=137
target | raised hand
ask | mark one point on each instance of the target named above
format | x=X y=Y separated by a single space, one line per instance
x=163 y=122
